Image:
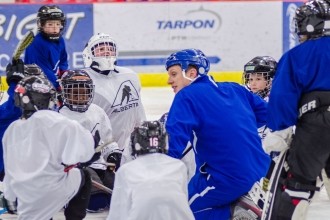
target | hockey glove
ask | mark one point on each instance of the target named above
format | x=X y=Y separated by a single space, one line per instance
x=11 y=206
x=15 y=71
x=277 y=140
x=115 y=158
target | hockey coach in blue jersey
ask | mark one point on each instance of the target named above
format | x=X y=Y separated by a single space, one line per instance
x=220 y=121
x=300 y=96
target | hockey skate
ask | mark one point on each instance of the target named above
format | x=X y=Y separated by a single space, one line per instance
x=245 y=209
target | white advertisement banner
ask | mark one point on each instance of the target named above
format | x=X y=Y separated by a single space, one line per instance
x=229 y=33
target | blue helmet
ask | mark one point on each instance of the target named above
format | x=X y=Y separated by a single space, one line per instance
x=189 y=57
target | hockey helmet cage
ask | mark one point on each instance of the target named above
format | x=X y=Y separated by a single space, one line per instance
x=77 y=90
x=107 y=59
x=50 y=12
x=150 y=137
x=264 y=65
x=34 y=93
x=189 y=57
x=312 y=20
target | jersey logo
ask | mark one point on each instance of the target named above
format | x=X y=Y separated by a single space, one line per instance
x=127 y=97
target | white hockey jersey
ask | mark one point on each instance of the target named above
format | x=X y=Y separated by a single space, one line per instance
x=118 y=94
x=34 y=150
x=153 y=186
x=94 y=119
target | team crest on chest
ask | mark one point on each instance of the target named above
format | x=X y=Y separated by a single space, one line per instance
x=126 y=98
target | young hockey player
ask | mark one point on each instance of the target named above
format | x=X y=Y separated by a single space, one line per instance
x=223 y=119
x=47 y=50
x=154 y=185
x=258 y=74
x=8 y=111
x=77 y=93
x=117 y=89
x=35 y=161
x=300 y=97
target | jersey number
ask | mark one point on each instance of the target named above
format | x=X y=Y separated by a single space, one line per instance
x=153 y=141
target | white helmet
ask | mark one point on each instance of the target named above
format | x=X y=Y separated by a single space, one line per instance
x=103 y=62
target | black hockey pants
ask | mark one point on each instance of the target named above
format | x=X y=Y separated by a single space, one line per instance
x=76 y=209
x=310 y=148
x=307 y=156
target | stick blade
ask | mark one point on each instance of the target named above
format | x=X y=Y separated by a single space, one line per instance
x=23 y=44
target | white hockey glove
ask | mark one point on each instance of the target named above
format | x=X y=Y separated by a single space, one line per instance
x=277 y=140
x=109 y=149
x=112 y=154
x=262 y=131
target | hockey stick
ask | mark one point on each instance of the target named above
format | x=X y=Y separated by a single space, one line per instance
x=100 y=147
x=23 y=44
x=326 y=182
x=101 y=187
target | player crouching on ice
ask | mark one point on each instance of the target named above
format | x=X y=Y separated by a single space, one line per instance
x=35 y=148
x=300 y=96
x=77 y=96
x=154 y=185
x=223 y=119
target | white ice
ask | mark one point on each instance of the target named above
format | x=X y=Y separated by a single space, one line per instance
x=158 y=101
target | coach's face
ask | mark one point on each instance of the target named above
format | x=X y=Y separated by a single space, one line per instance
x=178 y=78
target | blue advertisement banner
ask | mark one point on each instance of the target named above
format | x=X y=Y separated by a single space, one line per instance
x=17 y=20
x=290 y=39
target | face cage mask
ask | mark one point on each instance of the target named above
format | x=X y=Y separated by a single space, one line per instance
x=82 y=101
x=264 y=92
x=107 y=58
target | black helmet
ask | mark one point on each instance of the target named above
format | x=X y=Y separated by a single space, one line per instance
x=150 y=137
x=34 y=93
x=50 y=12
x=77 y=90
x=312 y=19
x=264 y=65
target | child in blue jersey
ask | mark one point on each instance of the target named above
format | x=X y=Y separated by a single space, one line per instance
x=223 y=119
x=300 y=96
x=48 y=47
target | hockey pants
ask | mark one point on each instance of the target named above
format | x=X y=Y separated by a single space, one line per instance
x=76 y=209
x=308 y=155
x=210 y=202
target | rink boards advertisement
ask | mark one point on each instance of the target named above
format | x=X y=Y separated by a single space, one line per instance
x=229 y=33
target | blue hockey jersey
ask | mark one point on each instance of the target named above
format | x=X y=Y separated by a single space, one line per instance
x=301 y=70
x=8 y=113
x=50 y=56
x=224 y=118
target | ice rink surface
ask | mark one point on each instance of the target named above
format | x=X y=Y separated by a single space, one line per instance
x=158 y=101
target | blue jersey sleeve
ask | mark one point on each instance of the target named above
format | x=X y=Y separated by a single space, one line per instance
x=180 y=127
